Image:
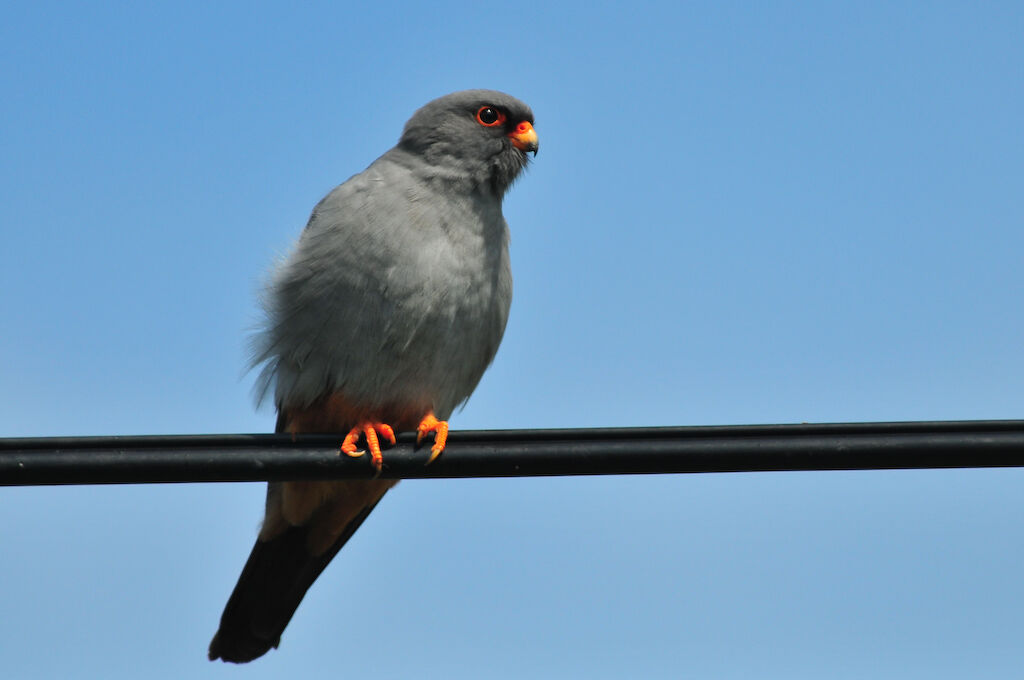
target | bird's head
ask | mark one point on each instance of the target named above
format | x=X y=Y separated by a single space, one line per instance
x=481 y=135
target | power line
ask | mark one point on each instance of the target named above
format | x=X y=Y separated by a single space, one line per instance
x=517 y=453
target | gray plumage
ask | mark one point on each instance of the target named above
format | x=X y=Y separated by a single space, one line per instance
x=390 y=307
x=400 y=286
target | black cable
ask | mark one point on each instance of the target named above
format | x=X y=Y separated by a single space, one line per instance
x=517 y=453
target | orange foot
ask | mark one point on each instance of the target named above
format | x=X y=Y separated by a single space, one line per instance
x=370 y=430
x=439 y=428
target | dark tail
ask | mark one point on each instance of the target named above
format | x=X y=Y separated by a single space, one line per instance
x=272 y=584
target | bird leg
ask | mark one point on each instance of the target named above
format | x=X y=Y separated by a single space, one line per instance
x=440 y=429
x=368 y=429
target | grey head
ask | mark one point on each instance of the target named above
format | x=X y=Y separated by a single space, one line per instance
x=480 y=136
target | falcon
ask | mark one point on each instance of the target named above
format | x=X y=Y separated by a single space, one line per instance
x=382 y=319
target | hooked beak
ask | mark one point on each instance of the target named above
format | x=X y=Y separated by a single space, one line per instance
x=524 y=137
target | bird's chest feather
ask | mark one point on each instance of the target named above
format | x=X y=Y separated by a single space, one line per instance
x=452 y=288
x=394 y=297
x=445 y=296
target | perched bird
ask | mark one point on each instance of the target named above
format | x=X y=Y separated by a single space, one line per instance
x=382 y=319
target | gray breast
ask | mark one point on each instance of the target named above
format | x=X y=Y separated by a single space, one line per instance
x=394 y=294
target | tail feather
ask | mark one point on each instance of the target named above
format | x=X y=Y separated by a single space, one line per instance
x=274 y=581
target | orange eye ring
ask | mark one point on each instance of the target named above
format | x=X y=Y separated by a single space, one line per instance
x=489 y=116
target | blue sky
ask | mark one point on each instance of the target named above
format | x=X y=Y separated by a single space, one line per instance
x=742 y=213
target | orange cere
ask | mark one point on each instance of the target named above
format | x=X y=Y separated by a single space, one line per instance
x=524 y=137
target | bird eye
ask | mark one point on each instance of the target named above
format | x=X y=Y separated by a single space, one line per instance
x=489 y=116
